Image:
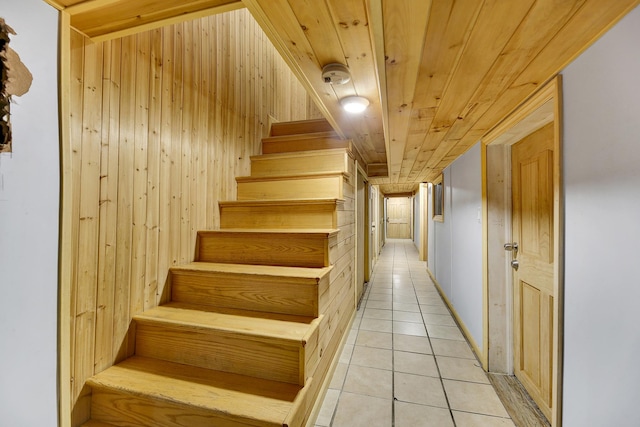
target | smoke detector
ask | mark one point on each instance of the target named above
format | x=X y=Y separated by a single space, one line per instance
x=335 y=74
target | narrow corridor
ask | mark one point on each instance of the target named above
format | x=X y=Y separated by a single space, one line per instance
x=406 y=362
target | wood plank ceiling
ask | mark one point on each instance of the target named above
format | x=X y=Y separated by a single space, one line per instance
x=439 y=74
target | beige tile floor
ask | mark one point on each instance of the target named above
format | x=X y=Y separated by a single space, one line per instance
x=406 y=362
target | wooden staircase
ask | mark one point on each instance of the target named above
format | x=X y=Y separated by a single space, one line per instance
x=252 y=325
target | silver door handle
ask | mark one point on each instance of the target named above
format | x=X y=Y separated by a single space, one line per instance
x=511 y=247
x=515 y=264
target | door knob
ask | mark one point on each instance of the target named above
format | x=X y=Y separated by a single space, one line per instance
x=511 y=247
x=515 y=264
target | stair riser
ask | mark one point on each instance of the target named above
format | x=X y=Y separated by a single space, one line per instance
x=326 y=187
x=120 y=409
x=276 y=145
x=275 y=360
x=247 y=292
x=284 y=216
x=301 y=164
x=264 y=249
x=300 y=127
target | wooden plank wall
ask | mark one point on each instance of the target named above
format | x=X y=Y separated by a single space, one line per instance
x=161 y=123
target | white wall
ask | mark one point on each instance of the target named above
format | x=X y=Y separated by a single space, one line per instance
x=457 y=254
x=602 y=231
x=29 y=194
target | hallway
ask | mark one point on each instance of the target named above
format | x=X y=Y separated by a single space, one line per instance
x=405 y=346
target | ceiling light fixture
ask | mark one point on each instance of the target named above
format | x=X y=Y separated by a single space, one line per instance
x=354 y=104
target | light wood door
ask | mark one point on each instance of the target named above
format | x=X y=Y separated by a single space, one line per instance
x=532 y=222
x=399 y=218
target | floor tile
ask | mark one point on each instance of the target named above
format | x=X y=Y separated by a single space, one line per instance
x=419 y=389
x=405 y=299
x=380 y=297
x=375 y=339
x=339 y=375
x=378 y=325
x=376 y=313
x=408 y=328
x=362 y=411
x=328 y=408
x=434 y=309
x=345 y=356
x=412 y=415
x=385 y=305
x=372 y=357
x=473 y=397
x=353 y=334
x=451 y=348
x=454 y=368
x=368 y=381
x=411 y=343
x=445 y=332
x=414 y=363
x=438 y=319
x=431 y=300
x=406 y=307
x=465 y=419
x=407 y=316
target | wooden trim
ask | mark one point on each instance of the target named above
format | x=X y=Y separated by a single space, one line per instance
x=168 y=21
x=485 y=260
x=424 y=222
x=438 y=180
x=558 y=250
x=88 y=5
x=459 y=321
x=551 y=92
x=54 y=4
x=65 y=250
x=376 y=31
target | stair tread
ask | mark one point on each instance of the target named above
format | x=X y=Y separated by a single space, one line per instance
x=93 y=423
x=258 y=270
x=258 y=327
x=308 y=175
x=303 y=136
x=280 y=202
x=227 y=394
x=294 y=231
x=295 y=154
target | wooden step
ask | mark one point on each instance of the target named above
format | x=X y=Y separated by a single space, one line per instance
x=301 y=213
x=300 y=127
x=263 y=348
x=142 y=392
x=93 y=423
x=300 y=163
x=307 y=142
x=289 y=248
x=284 y=290
x=326 y=185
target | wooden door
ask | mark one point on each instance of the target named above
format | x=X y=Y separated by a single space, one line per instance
x=532 y=222
x=399 y=218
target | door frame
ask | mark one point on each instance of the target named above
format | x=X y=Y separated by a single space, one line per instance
x=362 y=230
x=544 y=107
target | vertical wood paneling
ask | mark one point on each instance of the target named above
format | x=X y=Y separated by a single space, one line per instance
x=161 y=123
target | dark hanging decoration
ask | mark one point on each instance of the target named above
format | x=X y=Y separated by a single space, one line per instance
x=5 y=125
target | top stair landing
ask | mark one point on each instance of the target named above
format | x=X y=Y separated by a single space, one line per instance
x=300 y=127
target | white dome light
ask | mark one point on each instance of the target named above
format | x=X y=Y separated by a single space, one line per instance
x=354 y=104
